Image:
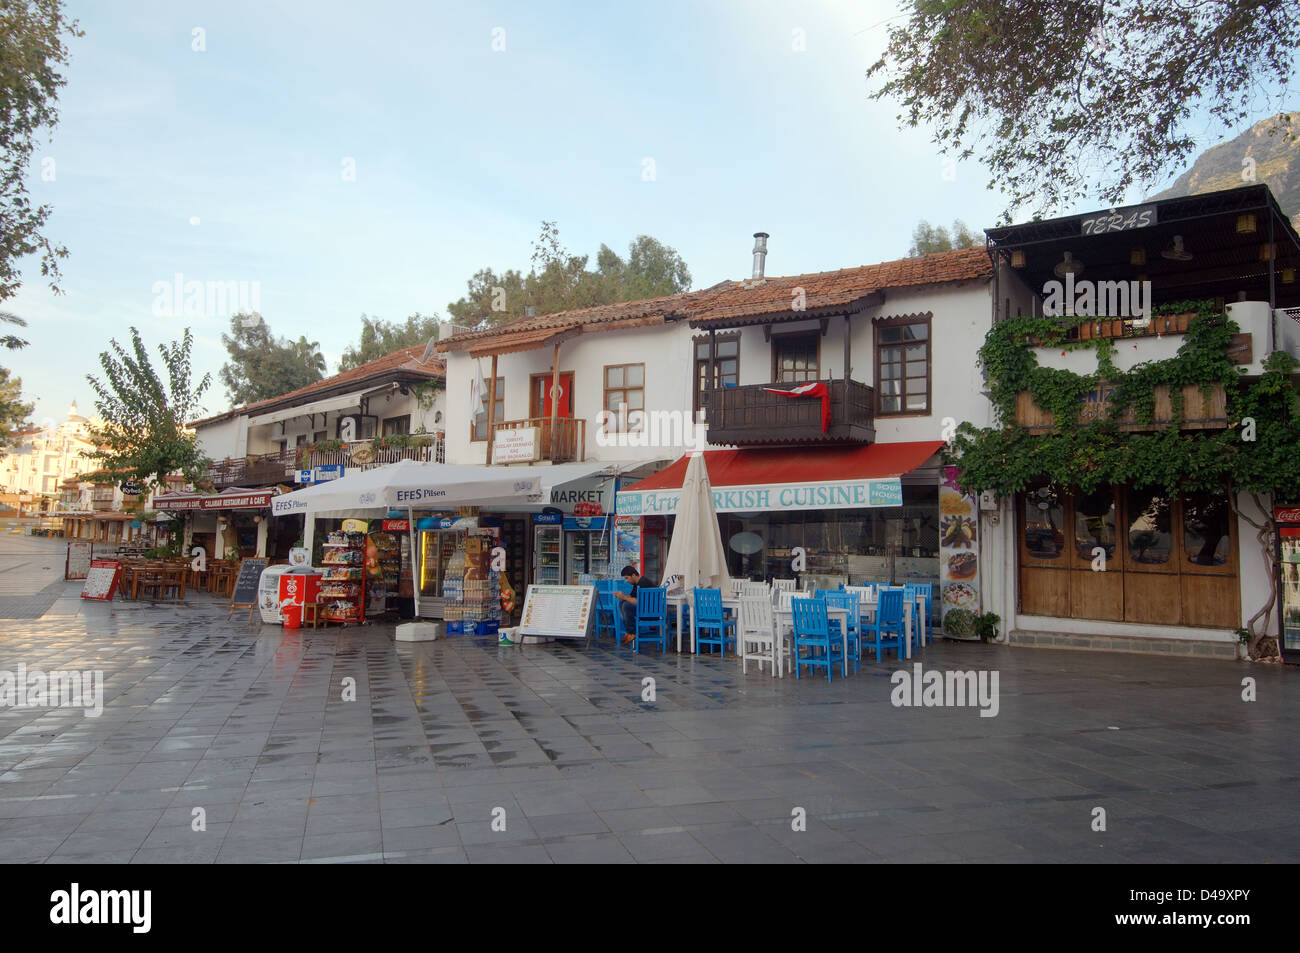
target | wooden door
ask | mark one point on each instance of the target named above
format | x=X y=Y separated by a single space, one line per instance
x=541 y=396
x=1044 y=573
x=1096 y=558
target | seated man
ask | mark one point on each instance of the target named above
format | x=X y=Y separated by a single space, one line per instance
x=636 y=580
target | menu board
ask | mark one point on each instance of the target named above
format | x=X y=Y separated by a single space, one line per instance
x=559 y=611
x=959 y=551
x=80 y=553
x=250 y=574
x=102 y=579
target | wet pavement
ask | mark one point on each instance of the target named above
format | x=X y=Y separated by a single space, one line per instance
x=463 y=751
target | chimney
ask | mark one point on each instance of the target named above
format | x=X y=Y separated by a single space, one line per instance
x=760 y=253
x=530 y=311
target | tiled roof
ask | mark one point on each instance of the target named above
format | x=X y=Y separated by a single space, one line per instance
x=835 y=289
x=407 y=360
x=730 y=300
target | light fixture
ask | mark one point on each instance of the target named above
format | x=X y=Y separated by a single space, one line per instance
x=1246 y=224
x=1288 y=276
x=1176 y=251
x=1266 y=251
x=1017 y=259
x=1068 y=265
x=1137 y=257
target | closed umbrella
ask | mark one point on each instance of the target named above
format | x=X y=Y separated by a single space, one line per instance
x=695 y=552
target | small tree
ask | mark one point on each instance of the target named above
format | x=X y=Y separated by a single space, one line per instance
x=144 y=436
x=14 y=411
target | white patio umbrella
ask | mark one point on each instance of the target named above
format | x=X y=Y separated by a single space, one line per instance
x=695 y=552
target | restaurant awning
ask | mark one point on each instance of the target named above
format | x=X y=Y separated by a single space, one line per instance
x=814 y=478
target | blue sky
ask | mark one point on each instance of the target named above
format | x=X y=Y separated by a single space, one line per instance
x=228 y=164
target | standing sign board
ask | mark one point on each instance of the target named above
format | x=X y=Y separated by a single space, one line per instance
x=102 y=580
x=244 y=595
x=80 y=554
x=564 y=612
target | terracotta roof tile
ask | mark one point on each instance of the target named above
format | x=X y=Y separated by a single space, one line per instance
x=406 y=359
x=733 y=299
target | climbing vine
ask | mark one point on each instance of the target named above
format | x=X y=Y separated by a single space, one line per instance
x=1257 y=452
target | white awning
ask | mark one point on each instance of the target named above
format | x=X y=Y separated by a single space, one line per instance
x=312 y=407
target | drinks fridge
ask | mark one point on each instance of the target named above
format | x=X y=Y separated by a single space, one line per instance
x=548 y=531
x=1288 y=570
x=586 y=547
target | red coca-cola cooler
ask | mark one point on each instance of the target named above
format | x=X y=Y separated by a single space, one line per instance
x=297 y=588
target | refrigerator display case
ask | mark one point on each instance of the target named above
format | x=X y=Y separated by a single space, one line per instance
x=437 y=546
x=383 y=573
x=548 y=546
x=1288 y=570
x=586 y=547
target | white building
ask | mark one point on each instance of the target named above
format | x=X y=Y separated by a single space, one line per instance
x=44 y=458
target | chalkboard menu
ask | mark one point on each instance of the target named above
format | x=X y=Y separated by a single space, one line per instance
x=245 y=593
x=559 y=611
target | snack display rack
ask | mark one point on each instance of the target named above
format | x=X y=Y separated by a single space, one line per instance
x=342 y=588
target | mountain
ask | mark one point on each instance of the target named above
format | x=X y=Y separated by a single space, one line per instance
x=1277 y=164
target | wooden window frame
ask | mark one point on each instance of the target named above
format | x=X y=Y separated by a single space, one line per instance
x=697 y=394
x=904 y=321
x=383 y=427
x=606 y=390
x=500 y=403
x=784 y=337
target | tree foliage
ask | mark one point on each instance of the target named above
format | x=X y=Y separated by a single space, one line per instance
x=380 y=337
x=32 y=55
x=144 y=436
x=928 y=239
x=1069 y=100
x=262 y=366
x=559 y=280
x=11 y=341
x=14 y=411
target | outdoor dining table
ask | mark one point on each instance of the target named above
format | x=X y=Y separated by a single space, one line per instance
x=679 y=599
x=869 y=605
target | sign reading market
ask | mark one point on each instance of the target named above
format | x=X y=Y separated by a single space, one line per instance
x=833 y=495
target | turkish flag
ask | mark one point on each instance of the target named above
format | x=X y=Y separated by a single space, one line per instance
x=816 y=389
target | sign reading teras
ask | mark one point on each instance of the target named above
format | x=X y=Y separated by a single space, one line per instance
x=839 y=495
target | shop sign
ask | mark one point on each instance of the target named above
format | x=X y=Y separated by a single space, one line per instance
x=396 y=526
x=1287 y=514
x=516 y=446
x=959 y=548
x=850 y=494
x=246 y=501
x=627 y=539
x=328 y=471
x=592 y=496
x=548 y=519
x=180 y=503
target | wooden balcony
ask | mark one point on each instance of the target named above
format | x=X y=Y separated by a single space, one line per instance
x=362 y=455
x=566 y=442
x=750 y=414
x=262 y=469
x=1200 y=412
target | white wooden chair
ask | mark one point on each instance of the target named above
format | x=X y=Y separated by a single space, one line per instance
x=749 y=588
x=736 y=585
x=782 y=585
x=757 y=635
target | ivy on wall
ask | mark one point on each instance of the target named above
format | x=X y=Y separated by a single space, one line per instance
x=1008 y=458
x=1257 y=452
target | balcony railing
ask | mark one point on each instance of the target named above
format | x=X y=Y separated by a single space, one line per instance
x=260 y=469
x=1201 y=411
x=565 y=442
x=364 y=459
x=751 y=414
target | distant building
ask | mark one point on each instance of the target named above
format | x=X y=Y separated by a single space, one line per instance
x=33 y=473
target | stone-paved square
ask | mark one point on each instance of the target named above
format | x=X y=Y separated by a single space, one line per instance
x=553 y=742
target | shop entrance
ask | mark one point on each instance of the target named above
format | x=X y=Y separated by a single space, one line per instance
x=1127 y=555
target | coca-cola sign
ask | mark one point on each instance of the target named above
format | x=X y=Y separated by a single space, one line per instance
x=1287 y=514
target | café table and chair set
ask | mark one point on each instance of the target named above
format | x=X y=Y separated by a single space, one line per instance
x=775 y=623
x=165 y=580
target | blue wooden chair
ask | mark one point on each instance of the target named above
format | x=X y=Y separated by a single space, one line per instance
x=849 y=601
x=609 y=615
x=708 y=625
x=812 y=631
x=887 y=629
x=651 y=618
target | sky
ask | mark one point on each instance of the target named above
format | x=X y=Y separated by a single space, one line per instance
x=333 y=159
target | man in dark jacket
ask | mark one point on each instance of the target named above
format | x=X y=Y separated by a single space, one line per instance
x=636 y=581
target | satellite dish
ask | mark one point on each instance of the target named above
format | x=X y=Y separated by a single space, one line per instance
x=429 y=349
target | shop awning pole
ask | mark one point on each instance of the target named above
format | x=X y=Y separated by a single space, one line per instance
x=491 y=414
x=415 y=579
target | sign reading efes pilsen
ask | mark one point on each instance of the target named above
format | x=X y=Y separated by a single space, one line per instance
x=839 y=495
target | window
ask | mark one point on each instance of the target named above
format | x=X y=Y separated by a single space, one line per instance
x=726 y=365
x=499 y=410
x=1207 y=539
x=300 y=441
x=794 y=358
x=1150 y=539
x=1044 y=518
x=624 y=387
x=903 y=365
x=319 y=435
x=1094 y=523
x=396 y=425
